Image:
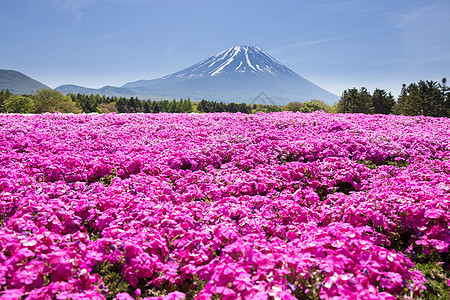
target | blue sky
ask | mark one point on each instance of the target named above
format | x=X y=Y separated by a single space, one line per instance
x=335 y=44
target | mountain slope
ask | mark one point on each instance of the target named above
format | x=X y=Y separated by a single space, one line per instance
x=237 y=74
x=18 y=83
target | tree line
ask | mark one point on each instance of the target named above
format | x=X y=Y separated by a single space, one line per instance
x=102 y=104
x=42 y=101
x=427 y=98
x=53 y=101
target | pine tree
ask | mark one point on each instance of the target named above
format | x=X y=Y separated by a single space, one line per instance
x=202 y=106
x=354 y=101
x=444 y=108
x=154 y=107
x=173 y=107
x=188 y=105
x=382 y=102
x=122 y=105
x=146 y=106
x=422 y=98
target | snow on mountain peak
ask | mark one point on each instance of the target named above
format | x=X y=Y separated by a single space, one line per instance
x=237 y=59
x=239 y=74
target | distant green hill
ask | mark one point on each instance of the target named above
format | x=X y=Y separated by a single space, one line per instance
x=18 y=83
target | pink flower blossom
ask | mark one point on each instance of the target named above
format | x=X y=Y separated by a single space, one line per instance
x=27 y=276
x=231 y=205
x=12 y=294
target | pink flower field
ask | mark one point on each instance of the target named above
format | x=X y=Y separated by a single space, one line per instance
x=223 y=206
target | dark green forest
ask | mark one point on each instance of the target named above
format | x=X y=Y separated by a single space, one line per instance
x=102 y=104
x=428 y=98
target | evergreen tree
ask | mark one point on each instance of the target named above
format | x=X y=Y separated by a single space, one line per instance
x=431 y=97
x=188 y=105
x=382 y=102
x=444 y=107
x=405 y=105
x=348 y=100
x=146 y=106
x=155 y=107
x=134 y=105
x=91 y=103
x=83 y=102
x=122 y=105
x=354 y=101
x=185 y=105
x=173 y=107
x=164 y=105
x=202 y=106
x=232 y=107
x=181 y=107
x=426 y=98
x=244 y=108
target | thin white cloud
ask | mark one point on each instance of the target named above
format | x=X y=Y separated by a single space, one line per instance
x=75 y=6
x=356 y=6
x=304 y=44
x=300 y=45
x=339 y=4
x=423 y=31
x=423 y=41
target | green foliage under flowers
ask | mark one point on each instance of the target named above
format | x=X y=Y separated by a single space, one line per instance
x=438 y=280
x=388 y=162
x=112 y=279
x=114 y=283
x=107 y=179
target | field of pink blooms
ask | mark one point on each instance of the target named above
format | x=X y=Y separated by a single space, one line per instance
x=223 y=206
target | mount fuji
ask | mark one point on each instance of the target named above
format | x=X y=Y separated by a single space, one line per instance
x=238 y=74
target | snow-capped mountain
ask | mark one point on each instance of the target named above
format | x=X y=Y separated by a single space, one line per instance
x=238 y=74
x=238 y=59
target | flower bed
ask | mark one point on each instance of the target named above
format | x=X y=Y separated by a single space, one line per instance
x=225 y=206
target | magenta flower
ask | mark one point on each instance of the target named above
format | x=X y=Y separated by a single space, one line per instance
x=27 y=277
x=11 y=294
x=3 y=272
x=124 y=296
x=233 y=206
x=434 y=213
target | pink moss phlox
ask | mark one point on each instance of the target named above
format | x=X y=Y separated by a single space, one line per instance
x=232 y=206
